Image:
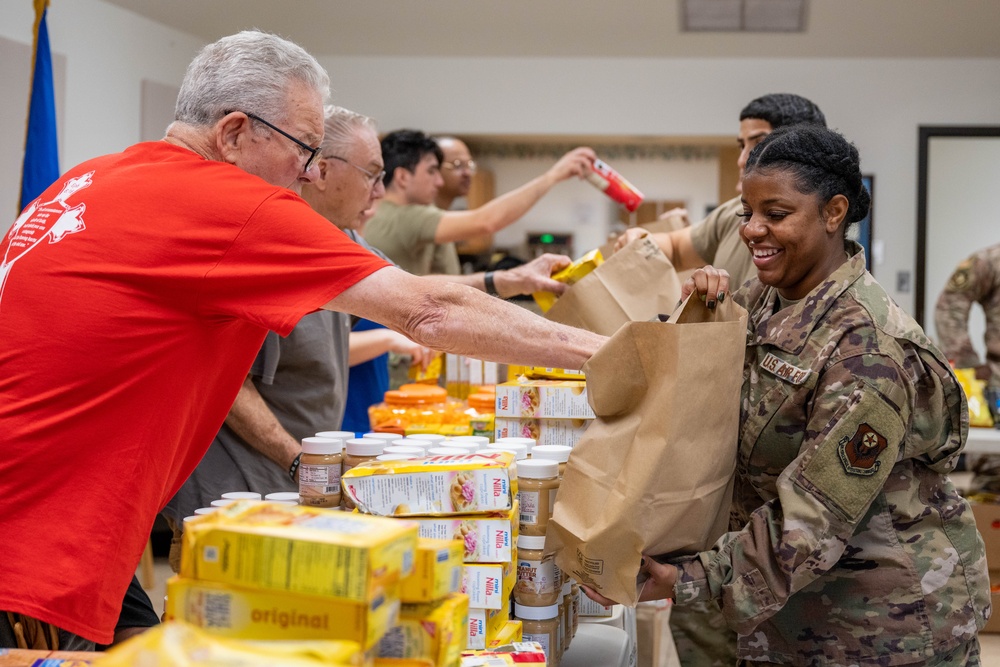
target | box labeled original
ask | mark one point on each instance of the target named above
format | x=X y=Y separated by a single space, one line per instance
x=461 y=484
x=487 y=538
x=437 y=571
x=489 y=584
x=486 y=624
x=300 y=550
x=245 y=613
x=565 y=432
x=434 y=632
x=548 y=399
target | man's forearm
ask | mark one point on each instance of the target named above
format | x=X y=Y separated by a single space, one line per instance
x=252 y=420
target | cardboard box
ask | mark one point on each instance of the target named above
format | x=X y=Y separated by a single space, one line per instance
x=486 y=624
x=299 y=550
x=437 y=571
x=246 y=613
x=510 y=633
x=461 y=484
x=522 y=654
x=489 y=584
x=566 y=432
x=549 y=399
x=488 y=538
x=434 y=632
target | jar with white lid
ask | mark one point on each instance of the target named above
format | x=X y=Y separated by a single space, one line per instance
x=388 y=438
x=540 y=624
x=537 y=575
x=206 y=510
x=446 y=451
x=319 y=472
x=519 y=450
x=538 y=483
x=283 y=495
x=415 y=452
x=436 y=439
x=397 y=457
x=413 y=442
x=558 y=453
x=529 y=443
x=462 y=440
x=240 y=495
x=337 y=435
x=357 y=451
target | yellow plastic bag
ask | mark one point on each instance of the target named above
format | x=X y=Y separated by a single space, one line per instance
x=979 y=409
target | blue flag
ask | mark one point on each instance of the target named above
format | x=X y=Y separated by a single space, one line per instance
x=41 y=151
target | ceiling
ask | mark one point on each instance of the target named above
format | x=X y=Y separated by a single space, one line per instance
x=588 y=28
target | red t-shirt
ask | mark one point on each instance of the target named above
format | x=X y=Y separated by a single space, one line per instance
x=134 y=295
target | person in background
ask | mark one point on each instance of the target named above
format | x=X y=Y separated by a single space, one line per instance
x=137 y=291
x=850 y=544
x=418 y=236
x=457 y=170
x=716 y=239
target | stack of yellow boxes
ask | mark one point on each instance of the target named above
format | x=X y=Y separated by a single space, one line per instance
x=550 y=411
x=269 y=571
x=471 y=498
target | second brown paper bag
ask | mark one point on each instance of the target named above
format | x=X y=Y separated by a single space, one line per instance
x=653 y=473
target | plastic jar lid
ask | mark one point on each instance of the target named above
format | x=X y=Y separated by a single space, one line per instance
x=528 y=442
x=396 y=457
x=324 y=446
x=479 y=440
x=435 y=438
x=531 y=542
x=188 y=518
x=446 y=451
x=413 y=442
x=485 y=402
x=404 y=449
x=538 y=469
x=241 y=495
x=283 y=495
x=416 y=394
x=558 y=453
x=364 y=447
x=467 y=447
x=536 y=613
x=223 y=503
x=385 y=437
x=519 y=451
x=205 y=510
x=283 y=502
x=336 y=435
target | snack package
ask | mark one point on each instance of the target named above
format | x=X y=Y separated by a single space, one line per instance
x=460 y=484
x=300 y=550
x=431 y=374
x=489 y=584
x=510 y=633
x=486 y=624
x=565 y=432
x=245 y=613
x=543 y=373
x=434 y=632
x=550 y=399
x=437 y=570
x=519 y=654
x=569 y=275
x=979 y=409
x=488 y=538
x=176 y=644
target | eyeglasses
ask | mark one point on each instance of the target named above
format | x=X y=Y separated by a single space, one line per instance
x=372 y=178
x=313 y=153
x=455 y=165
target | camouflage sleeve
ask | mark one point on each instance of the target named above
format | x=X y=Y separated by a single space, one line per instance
x=853 y=435
x=951 y=313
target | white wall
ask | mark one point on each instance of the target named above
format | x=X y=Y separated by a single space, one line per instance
x=876 y=103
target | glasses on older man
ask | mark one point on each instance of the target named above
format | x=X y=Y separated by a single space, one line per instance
x=372 y=178
x=311 y=153
x=458 y=165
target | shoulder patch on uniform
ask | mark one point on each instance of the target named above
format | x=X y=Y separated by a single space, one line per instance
x=859 y=453
x=961 y=277
x=784 y=370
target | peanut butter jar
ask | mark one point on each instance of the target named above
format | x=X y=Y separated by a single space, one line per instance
x=558 y=453
x=537 y=575
x=319 y=472
x=356 y=452
x=538 y=483
x=541 y=624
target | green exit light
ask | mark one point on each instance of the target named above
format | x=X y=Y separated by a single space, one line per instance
x=546 y=238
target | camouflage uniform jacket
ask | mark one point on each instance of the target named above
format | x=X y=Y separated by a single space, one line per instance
x=850 y=543
x=975 y=280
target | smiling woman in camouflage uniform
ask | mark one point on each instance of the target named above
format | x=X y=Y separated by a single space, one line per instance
x=850 y=545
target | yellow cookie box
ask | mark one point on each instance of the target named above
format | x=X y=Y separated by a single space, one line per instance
x=300 y=550
x=245 y=613
x=485 y=625
x=437 y=571
x=437 y=485
x=176 y=644
x=544 y=399
x=570 y=275
x=489 y=584
x=434 y=632
x=510 y=633
x=487 y=538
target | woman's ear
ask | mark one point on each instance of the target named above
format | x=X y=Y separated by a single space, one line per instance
x=834 y=212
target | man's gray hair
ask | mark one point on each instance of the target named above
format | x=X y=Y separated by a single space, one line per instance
x=249 y=71
x=339 y=128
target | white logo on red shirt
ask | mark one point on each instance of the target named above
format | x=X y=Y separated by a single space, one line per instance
x=51 y=220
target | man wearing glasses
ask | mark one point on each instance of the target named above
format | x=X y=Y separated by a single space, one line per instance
x=137 y=292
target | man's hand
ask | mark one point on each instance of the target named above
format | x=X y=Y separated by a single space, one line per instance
x=400 y=344
x=535 y=276
x=577 y=163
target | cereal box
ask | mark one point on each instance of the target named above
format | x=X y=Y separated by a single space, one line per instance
x=489 y=584
x=488 y=538
x=549 y=399
x=299 y=549
x=460 y=484
x=246 y=613
x=434 y=632
x=565 y=432
x=437 y=570
x=486 y=624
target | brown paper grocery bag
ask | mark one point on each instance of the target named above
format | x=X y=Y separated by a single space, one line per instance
x=635 y=284
x=653 y=473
